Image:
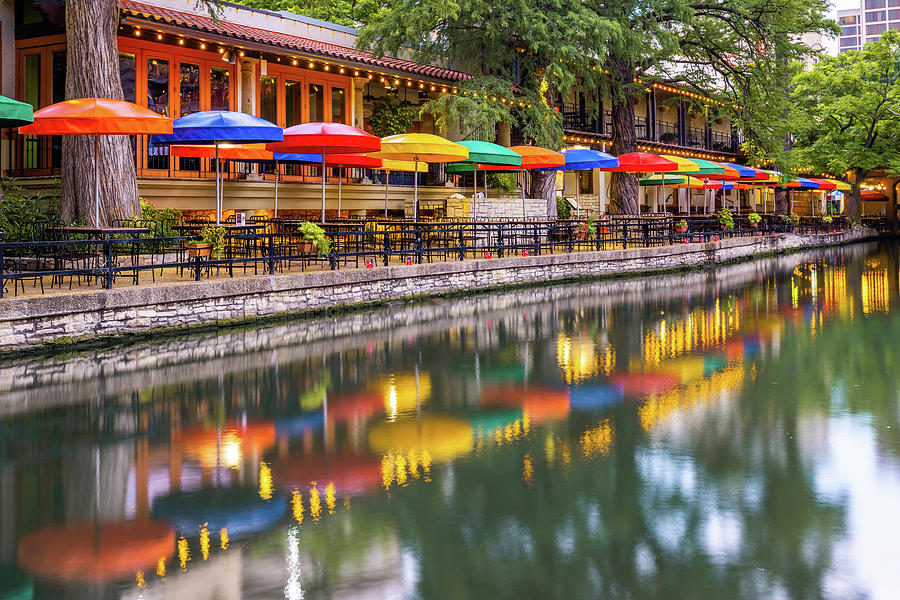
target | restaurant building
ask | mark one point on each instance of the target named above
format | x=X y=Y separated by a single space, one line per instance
x=176 y=59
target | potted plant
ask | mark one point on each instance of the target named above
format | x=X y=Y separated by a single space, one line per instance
x=725 y=218
x=791 y=221
x=827 y=219
x=212 y=242
x=754 y=219
x=314 y=239
x=587 y=230
x=681 y=226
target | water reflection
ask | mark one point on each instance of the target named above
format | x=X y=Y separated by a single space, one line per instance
x=711 y=434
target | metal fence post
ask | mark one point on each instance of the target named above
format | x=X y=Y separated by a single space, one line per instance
x=110 y=268
x=271 y=240
x=3 y=263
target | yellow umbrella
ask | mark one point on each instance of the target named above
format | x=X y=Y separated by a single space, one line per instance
x=841 y=185
x=443 y=438
x=416 y=147
x=409 y=166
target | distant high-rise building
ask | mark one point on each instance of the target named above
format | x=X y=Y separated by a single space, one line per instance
x=863 y=25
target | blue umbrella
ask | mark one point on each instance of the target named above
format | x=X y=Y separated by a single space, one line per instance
x=583 y=159
x=595 y=397
x=741 y=169
x=214 y=127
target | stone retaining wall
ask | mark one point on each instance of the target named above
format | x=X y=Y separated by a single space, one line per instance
x=32 y=322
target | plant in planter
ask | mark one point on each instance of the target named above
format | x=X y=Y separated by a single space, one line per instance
x=681 y=226
x=791 y=221
x=212 y=243
x=587 y=230
x=314 y=235
x=827 y=219
x=754 y=219
x=725 y=218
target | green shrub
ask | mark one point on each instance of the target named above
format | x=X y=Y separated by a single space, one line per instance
x=754 y=218
x=21 y=210
x=505 y=183
x=726 y=219
x=315 y=234
x=563 y=210
x=391 y=116
x=215 y=236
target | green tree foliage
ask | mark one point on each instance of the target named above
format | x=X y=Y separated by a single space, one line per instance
x=848 y=114
x=352 y=13
x=736 y=51
x=391 y=116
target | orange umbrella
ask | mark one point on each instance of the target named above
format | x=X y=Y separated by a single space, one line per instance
x=533 y=157
x=351 y=474
x=226 y=151
x=95 y=552
x=225 y=446
x=542 y=403
x=96 y=117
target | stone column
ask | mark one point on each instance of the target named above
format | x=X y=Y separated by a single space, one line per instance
x=246 y=92
x=357 y=91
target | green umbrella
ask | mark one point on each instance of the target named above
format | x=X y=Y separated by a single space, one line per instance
x=484 y=153
x=659 y=179
x=706 y=168
x=14 y=113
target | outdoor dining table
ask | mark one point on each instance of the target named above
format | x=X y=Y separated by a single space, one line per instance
x=101 y=234
x=250 y=246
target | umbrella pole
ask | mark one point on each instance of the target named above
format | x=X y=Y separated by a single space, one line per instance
x=524 y=215
x=323 y=185
x=218 y=193
x=340 y=177
x=97 y=181
x=387 y=183
x=416 y=190
x=577 y=194
x=474 y=190
x=276 y=189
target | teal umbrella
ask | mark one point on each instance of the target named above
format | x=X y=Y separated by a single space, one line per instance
x=14 y=113
x=484 y=153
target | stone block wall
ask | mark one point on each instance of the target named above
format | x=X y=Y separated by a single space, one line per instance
x=491 y=208
x=34 y=321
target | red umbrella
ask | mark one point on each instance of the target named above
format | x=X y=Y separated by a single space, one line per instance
x=824 y=184
x=96 y=117
x=324 y=139
x=351 y=474
x=350 y=160
x=542 y=403
x=644 y=162
x=871 y=195
x=95 y=551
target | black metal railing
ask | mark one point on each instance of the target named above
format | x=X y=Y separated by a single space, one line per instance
x=44 y=255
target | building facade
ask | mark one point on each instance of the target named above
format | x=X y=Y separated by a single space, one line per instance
x=865 y=24
x=176 y=59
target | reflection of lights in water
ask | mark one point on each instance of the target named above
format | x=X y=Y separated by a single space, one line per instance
x=392 y=400
x=265 y=481
x=527 y=469
x=550 y=449
x=184 y=553
x=223 y=538
x=579 y=360
x=230 y=455
x=346 y=502
x=297 y=506
x=405 y=392
x=204 y=541
x=161 y=568
x=597 y=441
x=330 y=501
x=397 y=467
x=658 y=407
x=139 y=578
x=315 y=503
x=400 y=469
x=413 y=465
x=293 y=590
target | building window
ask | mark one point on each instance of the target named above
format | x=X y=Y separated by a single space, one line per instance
x=293 y=103
x=316 y=103
x=219 y=98
x=874 y=4
x=893 y=15
x=190 y=88
x=32 y=85
x=128 y=75
x=893 y=2
x=854 y=30
x=58 y=76
x=268 y=99
x=876 y=15
x=849 y=41
x=338 y=105
x=850 y=19
x=875 y=29
x=158 y=101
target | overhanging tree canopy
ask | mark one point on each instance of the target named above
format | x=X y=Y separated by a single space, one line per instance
x=848 y=114
x=525 y=51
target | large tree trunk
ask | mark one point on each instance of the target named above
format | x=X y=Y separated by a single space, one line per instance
x=92 y=71
x=543 y=185
x=782 y=201
x=624 y=186
x=853 y=205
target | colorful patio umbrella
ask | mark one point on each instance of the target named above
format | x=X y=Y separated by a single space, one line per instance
x=217 y=127
x=872 y=196
x=239 y=510
x=644 y=162
x=443 y=437
x=420 y=147
x=585 y=159
x=662 y=179
x=226 y=445
x=483 y=153
x=533 y=158
x=95 y=552
x=407 y=166
x=351 y=474
x=96 y=117
x=326 y=138
x=541 y=402
x=248 y=152
x=14 y=584
x=341 y=161
x=841 y=186
x=14 y=113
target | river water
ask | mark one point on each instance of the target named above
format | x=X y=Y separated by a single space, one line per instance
x=729 y=433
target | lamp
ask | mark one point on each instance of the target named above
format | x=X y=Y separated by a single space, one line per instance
x=228 y=56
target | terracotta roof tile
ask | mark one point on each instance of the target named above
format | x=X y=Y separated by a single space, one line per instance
x=284 y=40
